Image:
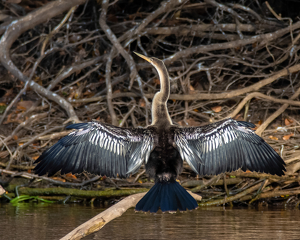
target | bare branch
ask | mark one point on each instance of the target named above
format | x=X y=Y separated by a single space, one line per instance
x=276 y=114
x=261 y=39
x=16 y=28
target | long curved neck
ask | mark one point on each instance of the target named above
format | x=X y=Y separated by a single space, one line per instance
x=160 y=114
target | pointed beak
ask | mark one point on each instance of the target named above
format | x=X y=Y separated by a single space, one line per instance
x=144 y=57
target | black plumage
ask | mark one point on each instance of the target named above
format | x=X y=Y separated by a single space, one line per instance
x=108 y=150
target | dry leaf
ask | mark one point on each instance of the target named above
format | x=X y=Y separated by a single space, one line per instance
x=273 y=138
x=88 y=93
x=217 y=109
x=75 y=38
x=70 y=175
x=238 y=117
x=156 y=81
x=192 y=88
x=59 y=179
x=288 y=122
x=142 y=103
x=35 y=157
x=96 y=53
x=8 y=92
x=21 y=108
x=24 y=105
x=259 y=123
x=189 y=122
x=117 y=91
x=177 y=14
x=4 y=154
x=287 y=137
x=2 y=107
x=15 y=137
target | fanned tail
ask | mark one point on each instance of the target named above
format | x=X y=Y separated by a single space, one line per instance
x=168 y=196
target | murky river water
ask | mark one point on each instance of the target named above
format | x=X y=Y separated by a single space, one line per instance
x=44 y=221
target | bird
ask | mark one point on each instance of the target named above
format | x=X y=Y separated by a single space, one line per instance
x=104 y=149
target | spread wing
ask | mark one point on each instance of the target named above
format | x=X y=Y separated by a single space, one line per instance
x=226 y=146
x=98 y=148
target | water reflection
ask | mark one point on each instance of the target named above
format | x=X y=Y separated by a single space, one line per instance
x=43 y=221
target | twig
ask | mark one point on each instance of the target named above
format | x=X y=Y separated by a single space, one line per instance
x=111 y=36
x=17 y=166
x=273 y=194
x=260 y=96
x=276 y=114
x=13 y=102
x=247 y=9
x=82 y=77
x=224 y=8
x=56 y=29
x=23 y=124
x=232 y=198
x=137 y=31
x=257 y=195
x=111 y=110
x=114 y=82
x=70 y=70
x=38 y=136
x=138 y=176
x=262 y=39
x=273 y=12
x=127 y=115
x=60 y=183
x=16 y=28
x=194 y=30
x=205 y=96
x=28 y=143
x=207 y=183
x=49 y=136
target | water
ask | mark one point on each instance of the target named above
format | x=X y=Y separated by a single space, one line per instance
x=53 y=221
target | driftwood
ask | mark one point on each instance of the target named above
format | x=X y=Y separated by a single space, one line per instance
x=98 y=222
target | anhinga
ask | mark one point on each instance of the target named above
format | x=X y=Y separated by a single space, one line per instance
x=216 y=148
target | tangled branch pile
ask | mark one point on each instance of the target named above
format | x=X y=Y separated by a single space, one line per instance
x=72 y=61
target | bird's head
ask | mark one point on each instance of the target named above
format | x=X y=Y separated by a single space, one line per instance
x=154 y=61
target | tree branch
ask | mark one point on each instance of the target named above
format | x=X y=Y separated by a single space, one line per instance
x=16 y=28
x=261 y=39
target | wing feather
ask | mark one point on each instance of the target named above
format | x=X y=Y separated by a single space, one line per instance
x=226 y=146
x=98 y=148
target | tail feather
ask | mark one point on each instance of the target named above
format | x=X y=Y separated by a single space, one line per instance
x=152 y=202
x=168 y=196
x=181 y=198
